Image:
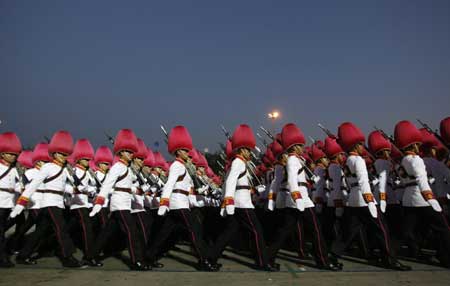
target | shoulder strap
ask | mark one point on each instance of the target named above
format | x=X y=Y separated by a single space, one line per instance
x=6 y=172
x=49 y=179
x=122 y=176
x=242 y=174
x=181 y=177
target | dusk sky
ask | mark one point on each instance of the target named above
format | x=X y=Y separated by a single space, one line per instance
x=96 y=66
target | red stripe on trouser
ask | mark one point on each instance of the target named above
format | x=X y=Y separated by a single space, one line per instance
x=192 y=234
x=102 y=217
x=300 y=240
x=129 y=237
x=84 y=232
x=316 y=227
x=58 y=232
x=256 y=238
x=142 y=227
x=384 y=233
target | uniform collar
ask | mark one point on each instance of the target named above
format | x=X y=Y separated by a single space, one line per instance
x=353 y=154
x=123 y=162
x=180 y=160
x=80 y=167
x=240 y=157
x=410 y=153
x=57 y=163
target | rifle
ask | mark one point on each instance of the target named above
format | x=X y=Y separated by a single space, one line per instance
x=435 y=133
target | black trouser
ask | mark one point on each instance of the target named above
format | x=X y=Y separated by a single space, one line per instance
x=124 y=221
x=291 y=221
x=144 y=224
x=436 y=221
x=16 y=241
x=4 y=214
x=50 y=218
x=328 y=220
x=178 y=218
x=362 y=223
x=247 y=219
x=82 y=224
x=99 y=221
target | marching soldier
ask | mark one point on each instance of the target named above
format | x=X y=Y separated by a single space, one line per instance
x=119 y=184
x=298 y=205
x=361 y=203
x=174 y=202
x=55 y=177
x=10 y=148
x=419 y=203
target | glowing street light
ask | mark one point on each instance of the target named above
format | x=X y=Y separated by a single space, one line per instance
x=273 y=115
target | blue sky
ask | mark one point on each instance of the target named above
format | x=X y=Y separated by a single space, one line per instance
x=96 y=66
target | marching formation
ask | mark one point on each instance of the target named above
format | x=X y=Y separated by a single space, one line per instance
x=387 y=199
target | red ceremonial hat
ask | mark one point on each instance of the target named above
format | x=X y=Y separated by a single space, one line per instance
x=10 y=143
x=307 y=158
x=166 y=166
x=125 y=141
x=269 y=153
x=92 y=165
x=291 y=135
x=103 y=155
x=349 y=135
x=277 y=149
x=26 y=159
x=150 y=159
x=266 y=160
x=332 y=148
x=61 y=142
x=40 y=153
x=406 y=134
x=83 y=150
x=243 y=138
x=395 y=153
x=320 y=144
x=179 y=138
x=217 y=180
x=445 y=130
x=142 y=150
x=428 y=139
x=209 y=172
x=229 y=149
x=377 y=142
x=193 y=154
x=202 y=161
x=159 y=160
x=317 y=153
x=70 y=160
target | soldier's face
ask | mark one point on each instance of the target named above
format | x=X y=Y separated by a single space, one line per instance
x=298 y=149
x=183 y=154
x=9 y=157
x=103 y=167
x=127 y=156
x=84 y=163
x=138 y=162
x=60 y=158
x=246 y=153
x=146 y=170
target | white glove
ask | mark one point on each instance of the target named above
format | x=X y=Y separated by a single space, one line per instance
x=339 y=212
x=270 y=205
x=230 y=209
x=203 y=190
x=435 y=205
x=223 y=213
x=373 y=209
x=16 y=211
x=315 y=179
x=300 y=204
x=319 y=208
x=145 y=187
x=260 y=188
x=383 y=206
x=95 y=210
x=163 y=210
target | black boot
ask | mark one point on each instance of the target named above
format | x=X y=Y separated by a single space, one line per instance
x=139 y=266
x=25 y=260
x=6 y=263
x=204 y=265
x=268 y=268
x=394 y=264
x=92 y=262
x=71 y=262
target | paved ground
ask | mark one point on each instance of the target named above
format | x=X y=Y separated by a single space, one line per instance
x=179 y=270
